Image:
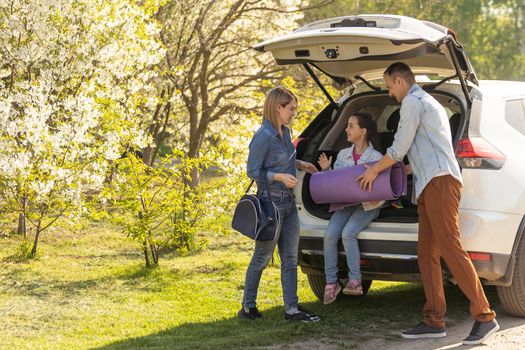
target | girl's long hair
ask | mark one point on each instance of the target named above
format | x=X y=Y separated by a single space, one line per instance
x=366 y=121
x=278 y=96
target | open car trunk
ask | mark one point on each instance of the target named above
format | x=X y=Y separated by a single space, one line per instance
x=352 y=48
x=326 y=134
x=355 y=50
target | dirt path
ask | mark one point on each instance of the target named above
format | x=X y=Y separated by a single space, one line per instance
x=510 y=337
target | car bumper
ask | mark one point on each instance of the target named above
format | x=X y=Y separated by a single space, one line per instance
x=395 y=261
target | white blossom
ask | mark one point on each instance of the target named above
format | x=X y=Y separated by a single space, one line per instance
x=78 y=69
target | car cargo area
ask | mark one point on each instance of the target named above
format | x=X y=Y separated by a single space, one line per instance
x=326 y=134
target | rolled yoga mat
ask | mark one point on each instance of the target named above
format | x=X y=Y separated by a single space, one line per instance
x=340 y=188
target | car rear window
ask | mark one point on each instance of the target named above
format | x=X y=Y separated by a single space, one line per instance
x=515 y=114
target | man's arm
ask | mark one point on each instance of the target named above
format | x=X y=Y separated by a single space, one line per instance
x=410 y=112
x=410 y=118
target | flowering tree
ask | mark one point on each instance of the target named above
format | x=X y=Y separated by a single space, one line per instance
x=212 y=84
x=73 y=77
x=211 y=77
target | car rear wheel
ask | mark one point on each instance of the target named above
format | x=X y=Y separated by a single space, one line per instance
x=513 y=297
x=318 y=282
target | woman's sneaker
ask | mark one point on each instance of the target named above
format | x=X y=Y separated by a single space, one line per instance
x=330 y=292
x=353 y=287
x=301 y=315
x=252 y=314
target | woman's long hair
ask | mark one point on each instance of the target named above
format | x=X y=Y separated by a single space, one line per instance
x=366 y=121
x=278 y=96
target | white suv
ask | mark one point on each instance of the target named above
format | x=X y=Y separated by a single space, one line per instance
x=488 y=131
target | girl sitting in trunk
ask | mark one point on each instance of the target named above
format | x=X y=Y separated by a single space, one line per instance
x=346 y=223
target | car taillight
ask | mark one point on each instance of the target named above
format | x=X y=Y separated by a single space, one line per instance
x=478 y=153
x=479 y=256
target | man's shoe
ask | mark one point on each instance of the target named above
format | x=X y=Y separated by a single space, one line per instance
x=301 y=315
x=252 y=314
x=423 y=330
x=481 y=331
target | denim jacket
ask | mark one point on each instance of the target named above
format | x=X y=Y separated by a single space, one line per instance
x=270 y=152
x=423 y=135
x=345 y=157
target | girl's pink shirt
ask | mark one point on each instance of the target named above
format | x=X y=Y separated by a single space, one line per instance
x=356 y=156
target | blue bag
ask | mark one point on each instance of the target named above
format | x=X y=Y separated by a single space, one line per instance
x=257 y=218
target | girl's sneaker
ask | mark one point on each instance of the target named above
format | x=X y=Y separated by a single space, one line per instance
x=353 y=287
x=330 y=292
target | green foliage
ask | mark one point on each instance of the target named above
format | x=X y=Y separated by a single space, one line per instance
x=23 y=251
x=156 y=205
x=311 y=98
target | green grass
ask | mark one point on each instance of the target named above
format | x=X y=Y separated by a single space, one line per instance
x=91 y=291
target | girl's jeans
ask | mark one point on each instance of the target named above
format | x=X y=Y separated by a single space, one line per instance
x=288 y=244
x=346 y=224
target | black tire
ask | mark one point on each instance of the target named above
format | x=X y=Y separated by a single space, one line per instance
x=513 y=297
x=317 y=283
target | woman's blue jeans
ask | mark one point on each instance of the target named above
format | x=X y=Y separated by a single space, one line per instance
x=288 y=244
x=345 y=224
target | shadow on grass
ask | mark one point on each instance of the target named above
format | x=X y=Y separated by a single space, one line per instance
x=136 y=276
x=17 y=258
x=21 y=256
x=42 y=286
x=348 y=322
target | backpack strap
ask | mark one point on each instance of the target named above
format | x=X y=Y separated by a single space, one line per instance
x=264 y=180
x=249 y=186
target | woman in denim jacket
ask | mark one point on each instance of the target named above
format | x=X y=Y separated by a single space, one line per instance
x=272 y=155
x=347 y=222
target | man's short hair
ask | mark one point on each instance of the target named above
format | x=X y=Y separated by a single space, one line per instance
x=400 y=69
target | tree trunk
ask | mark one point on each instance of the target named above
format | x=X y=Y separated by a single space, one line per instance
x=154 y=255
x=195 y=178
x=195 y=173
x=146 y=254
x=21 y=230
x=35 y=244
x=22 y=225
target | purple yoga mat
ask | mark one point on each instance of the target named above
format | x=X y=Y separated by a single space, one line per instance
x=340 y=188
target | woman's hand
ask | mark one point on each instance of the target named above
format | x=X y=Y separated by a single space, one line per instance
x=324 y=162
x=306 y=167
x=288 y=180
x=408 y=169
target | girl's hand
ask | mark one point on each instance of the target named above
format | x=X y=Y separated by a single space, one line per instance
x=324 y=162
x=288 y=180
x=307 y=167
